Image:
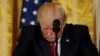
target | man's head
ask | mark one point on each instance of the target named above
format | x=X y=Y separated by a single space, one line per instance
x=47 y=13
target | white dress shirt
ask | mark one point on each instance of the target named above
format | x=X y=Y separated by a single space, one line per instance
x=59 y=46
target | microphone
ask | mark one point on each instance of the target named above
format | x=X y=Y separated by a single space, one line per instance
x=56 y=29
x=56 y=24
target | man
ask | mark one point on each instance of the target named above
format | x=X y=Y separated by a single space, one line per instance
x=73 y=40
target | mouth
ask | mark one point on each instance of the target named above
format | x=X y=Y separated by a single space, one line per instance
x=51 y=39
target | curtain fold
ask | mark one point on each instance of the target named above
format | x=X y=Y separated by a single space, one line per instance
x=6 y=12
x=9 y=25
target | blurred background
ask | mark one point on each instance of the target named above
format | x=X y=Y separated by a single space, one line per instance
x=14 y=14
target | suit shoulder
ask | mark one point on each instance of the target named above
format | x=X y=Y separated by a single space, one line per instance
x=77 y=27
x=81 y=28
x=32 y=27
x=28 y=29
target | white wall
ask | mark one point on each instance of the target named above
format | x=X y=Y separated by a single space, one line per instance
x=97 y=12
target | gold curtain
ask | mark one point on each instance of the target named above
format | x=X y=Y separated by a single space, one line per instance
x=79 y=12
x=9 y=22
x=16 y=20
x=6 y=12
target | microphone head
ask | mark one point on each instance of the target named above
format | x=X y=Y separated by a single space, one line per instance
x=56 y=26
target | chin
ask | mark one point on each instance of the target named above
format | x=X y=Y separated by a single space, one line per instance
x=51 y=40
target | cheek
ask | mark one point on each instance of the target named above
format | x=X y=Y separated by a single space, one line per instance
x=44 y=33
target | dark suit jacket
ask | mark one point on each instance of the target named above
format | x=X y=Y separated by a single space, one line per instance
x=31 y=42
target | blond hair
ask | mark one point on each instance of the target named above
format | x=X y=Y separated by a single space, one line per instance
x=47 y=8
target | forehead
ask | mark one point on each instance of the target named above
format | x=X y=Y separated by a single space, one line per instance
x=46 y=26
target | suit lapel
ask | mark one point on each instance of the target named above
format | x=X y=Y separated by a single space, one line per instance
x=66 y=41
x=45 y=47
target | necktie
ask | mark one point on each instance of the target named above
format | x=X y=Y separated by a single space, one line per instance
x=53 y=49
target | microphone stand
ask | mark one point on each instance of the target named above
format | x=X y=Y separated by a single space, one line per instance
x=56 y=39
x=56 y=29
